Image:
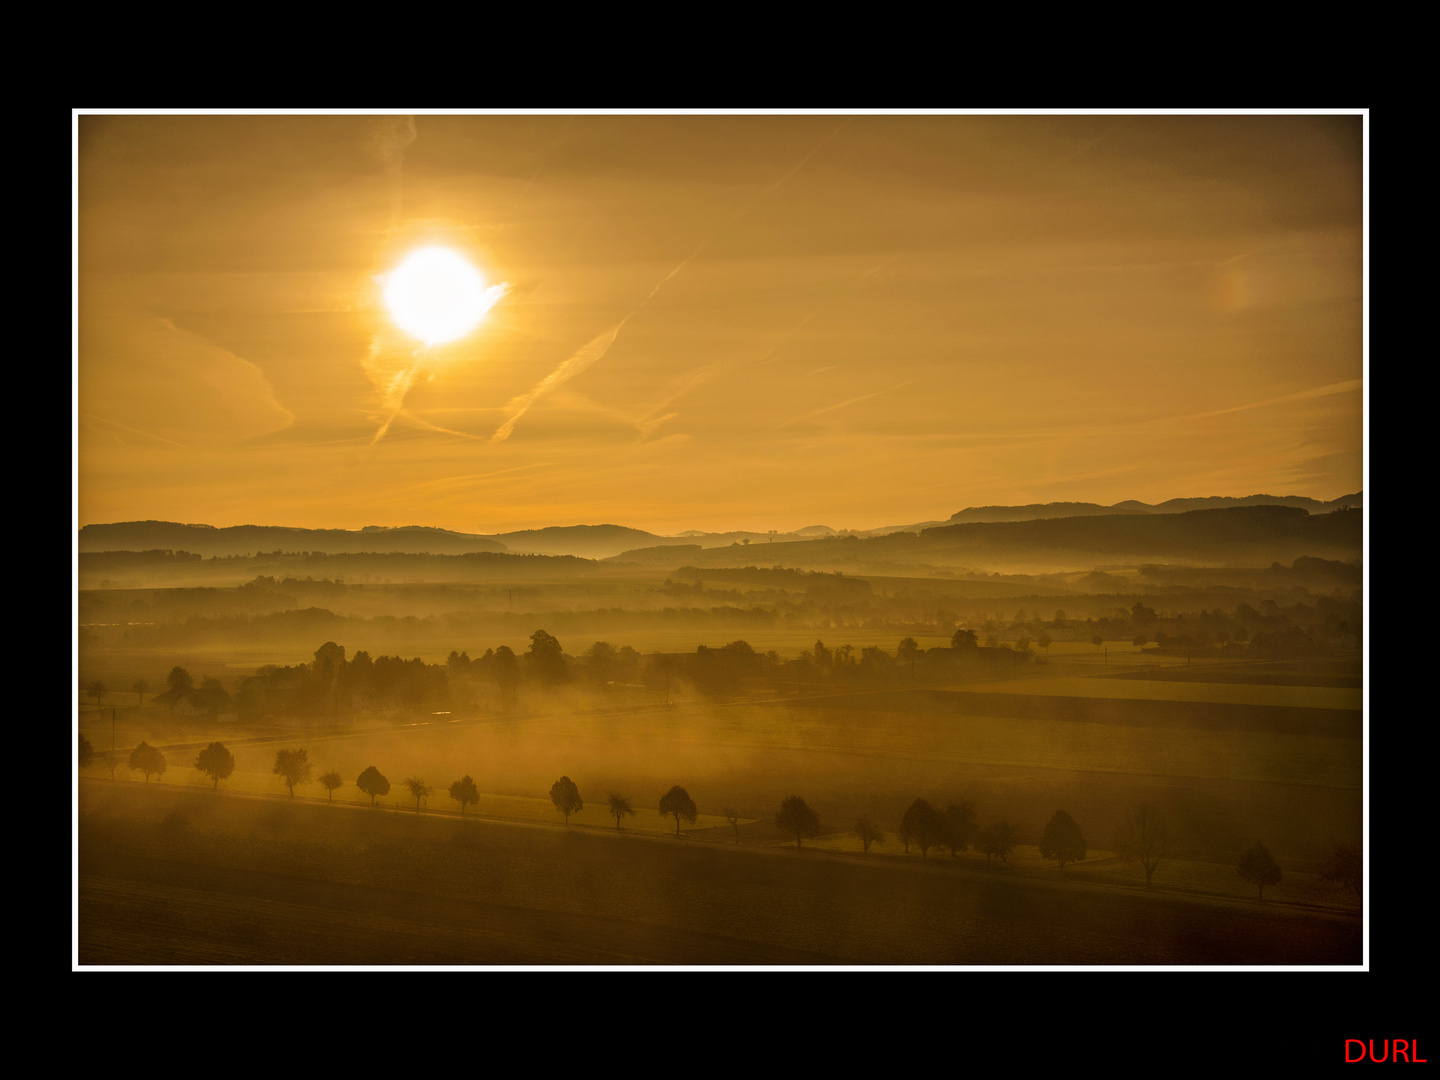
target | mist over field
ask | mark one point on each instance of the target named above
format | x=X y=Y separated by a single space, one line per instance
x=778 y=541
x=1225 y=701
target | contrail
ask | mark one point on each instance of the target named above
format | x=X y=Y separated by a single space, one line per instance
x=519 y=406
x=597 y=348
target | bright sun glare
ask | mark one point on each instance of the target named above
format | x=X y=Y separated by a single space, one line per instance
x=436 y=296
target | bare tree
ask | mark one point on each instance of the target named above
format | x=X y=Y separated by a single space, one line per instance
x=1144 y=838
x=419 y=789
x=867 y=833
x=620 y=808
x=733 y=817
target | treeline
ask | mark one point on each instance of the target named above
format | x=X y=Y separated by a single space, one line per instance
x=1144 y=837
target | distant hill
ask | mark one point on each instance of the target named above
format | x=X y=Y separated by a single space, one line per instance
x=251 y=539
x=587 y=541
x=1041 y=511
x=1240 y=536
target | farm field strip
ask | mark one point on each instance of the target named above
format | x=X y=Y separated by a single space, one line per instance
x=415 y=890
x=1093 y=686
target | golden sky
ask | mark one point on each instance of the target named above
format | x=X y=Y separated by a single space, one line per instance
x=715 y=322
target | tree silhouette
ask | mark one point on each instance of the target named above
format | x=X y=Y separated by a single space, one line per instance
x=464 y=791
x=867 y=833
x=1144 y=838
x=1259 y=868
x=179 y=679
x=1062 y=840
x=419 y=789
x=960 y=827
x=677 y=803
x=216 y=762
x=292 y=766
x=620 y=807
x=96 y=687
x=997 y=838
x=964 y=639
x=145 y=758
x=373 y=783
x=331 y=780
x=87 y=752
x=1344 y=866
x=566 y=797
x=921 y=826
x=795 y=816
x=733 y=817
x=1097 y=641
x=108 y=760
x=547 y=658
x=141 y=688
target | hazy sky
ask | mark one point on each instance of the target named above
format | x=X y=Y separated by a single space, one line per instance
x=715 y=322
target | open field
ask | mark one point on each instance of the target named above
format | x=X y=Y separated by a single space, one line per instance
x=168 y=877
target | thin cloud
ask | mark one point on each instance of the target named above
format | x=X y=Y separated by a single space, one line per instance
x=844 y=404
x=586 y=356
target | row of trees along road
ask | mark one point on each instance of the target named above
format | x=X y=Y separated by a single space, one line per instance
x=1144 y=837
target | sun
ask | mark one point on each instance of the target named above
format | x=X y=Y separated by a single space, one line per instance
x=437 y=296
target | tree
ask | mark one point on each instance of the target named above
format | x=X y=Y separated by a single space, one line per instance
x=1344 y=866
x=1062 y=840
x=331 y=780
x=677 y=803
x=87 y=752
x=145 y=758
x=795 y=816
x=292 y=766
x=464 y=791
x=1097 y=641
x=179 y=679
x=373 y=783
x=922 y=827
x=733 y=817
x=619 y=808
x=96 y=687
x=141 y=688
x=867 y=833
x=960 y=827
x=964 y=639
x=547 y=658
x=216 y=762
x=419 y=789
x=566 y=797
x=1259 y=868
x=1144 y=838
x=997 y=838
x=108 y=760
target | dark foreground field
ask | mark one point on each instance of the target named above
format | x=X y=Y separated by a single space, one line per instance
x=173 y=877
